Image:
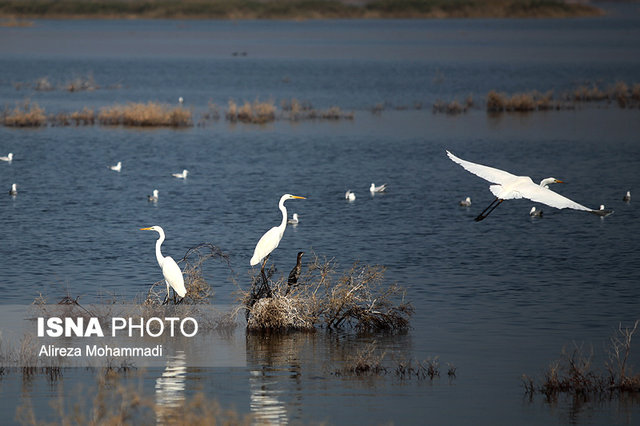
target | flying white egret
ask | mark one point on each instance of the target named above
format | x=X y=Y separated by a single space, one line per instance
x=170 y=269
x=294 y=220
x=535 y=213
x=182 y=175
x=8 y=158
x=272 y=237
x=466 y=202
x=627 y=197
x=350 y=195
x=508 y=186
x=14 y=189
x=373 y=188
x=117 y=167
x=153 y=197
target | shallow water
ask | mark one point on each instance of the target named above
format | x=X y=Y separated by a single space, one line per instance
x=497 y=299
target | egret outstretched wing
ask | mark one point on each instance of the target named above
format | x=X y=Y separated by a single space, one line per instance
x=485 y=172
x=546 y=196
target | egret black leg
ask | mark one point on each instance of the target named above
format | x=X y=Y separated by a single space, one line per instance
x=491 y=207
x=265 y=283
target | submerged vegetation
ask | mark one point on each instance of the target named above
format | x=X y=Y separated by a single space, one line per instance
x=293 y=9
x=574 y=373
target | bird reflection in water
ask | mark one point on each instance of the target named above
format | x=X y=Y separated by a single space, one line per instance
x=170 y=388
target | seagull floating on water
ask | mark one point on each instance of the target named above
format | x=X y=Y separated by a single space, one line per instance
x=8 y=158
x=508 y=186
x=294 y=219
x=349 y=195
x=466 y=202
x=182 y=175
x=535 y=213
x=14 y=189
x=153 y=197
x=373 y=188
x=626 y=198
x=180 y=100
x=117 y=167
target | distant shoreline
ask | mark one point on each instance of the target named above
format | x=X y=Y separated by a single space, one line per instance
x=291 y=9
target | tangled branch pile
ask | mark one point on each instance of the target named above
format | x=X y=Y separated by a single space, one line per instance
x=358 y=298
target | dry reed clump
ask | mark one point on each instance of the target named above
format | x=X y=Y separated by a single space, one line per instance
x=522 y=102
x=453 y=108
x=365 y=362
x=256 y=112
x=80 y=84
x=145 y=115
x=357 y=299
x=573 y=373
x=26 y=114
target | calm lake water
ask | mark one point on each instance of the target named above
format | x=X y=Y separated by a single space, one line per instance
x=496 y=299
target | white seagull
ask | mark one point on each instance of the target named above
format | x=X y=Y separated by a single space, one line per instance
x=626 y=198
x=534 y=212
x=117 y=167
x=373 y=188
x=350 y=195
x=466 y=202
x=508 y=186
x=153 y=197
x=294 y=219
x=182 y=175
x=8 y=158
x=14 y=189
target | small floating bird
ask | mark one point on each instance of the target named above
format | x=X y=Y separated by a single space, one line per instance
x=534 y=212
x=117 y=167
x=272 y=237
x=466 y=202
x=180 y=100
x=182 y=175
x=14 y=189
x=350 y=195
x=8 y=158
x=153 y=197
x=170 y=269
x=292 y=281
x=508 y=186
x=373 y=188
x=294 y=219
x=626 y=198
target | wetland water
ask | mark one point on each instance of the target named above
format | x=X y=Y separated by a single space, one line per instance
x=496 y=299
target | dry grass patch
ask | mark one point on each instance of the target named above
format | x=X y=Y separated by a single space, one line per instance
x=26 y=114
x=151 y=114
x=574 y=374
x=251 y=112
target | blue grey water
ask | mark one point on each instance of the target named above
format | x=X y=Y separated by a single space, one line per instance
x=496 y=299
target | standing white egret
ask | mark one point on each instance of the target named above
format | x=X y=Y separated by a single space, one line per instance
x=154 y=197
x=535 y=213
x=117 y=167
x=8 y=158
x=350 y=195
x=294 y=220
x=508 y=186
x=170 y=269
x=373 y=188
x=182 y=175
x=272 y=237
x=627 y=197
x=14 y=189
x=466 y=202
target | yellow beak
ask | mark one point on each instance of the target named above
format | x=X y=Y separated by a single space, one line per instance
x=301 y=198
x=145 y=229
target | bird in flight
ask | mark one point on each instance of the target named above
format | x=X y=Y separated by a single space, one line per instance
x=508 y=186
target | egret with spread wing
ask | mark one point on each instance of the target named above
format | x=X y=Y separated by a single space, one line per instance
x=507 y=186
x=170 y=269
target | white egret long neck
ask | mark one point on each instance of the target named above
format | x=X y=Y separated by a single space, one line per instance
x=283 y=209
x=159 y=256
